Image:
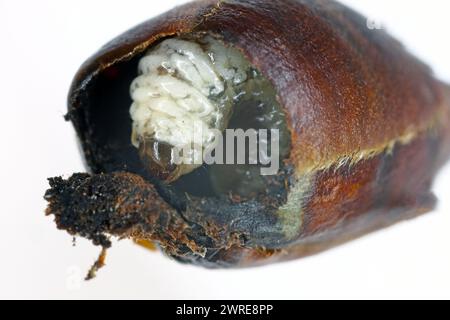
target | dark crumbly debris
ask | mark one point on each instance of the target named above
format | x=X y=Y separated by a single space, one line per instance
x=85 y=205
x=97 y=207
x=123 y=205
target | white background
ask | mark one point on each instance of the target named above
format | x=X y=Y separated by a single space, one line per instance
x=42 y=45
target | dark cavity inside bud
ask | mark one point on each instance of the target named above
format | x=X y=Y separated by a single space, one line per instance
x=185 y=91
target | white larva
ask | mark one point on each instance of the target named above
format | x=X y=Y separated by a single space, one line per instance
x=185 y=90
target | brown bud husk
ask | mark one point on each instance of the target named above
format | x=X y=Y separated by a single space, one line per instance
x=370 y=128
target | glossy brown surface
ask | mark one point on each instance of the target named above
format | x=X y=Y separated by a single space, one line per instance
x=369 y=126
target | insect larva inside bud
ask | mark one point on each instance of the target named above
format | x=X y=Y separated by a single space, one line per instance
x=186 y=90
x=363 y=129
